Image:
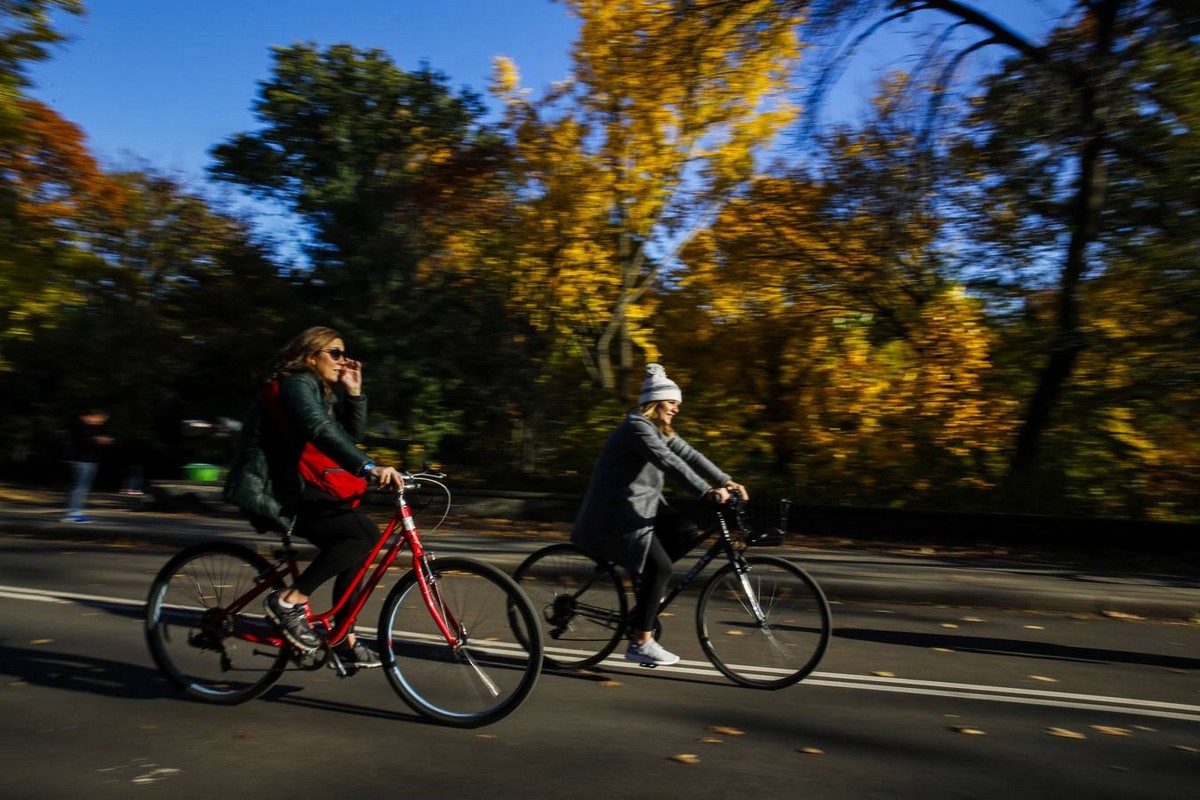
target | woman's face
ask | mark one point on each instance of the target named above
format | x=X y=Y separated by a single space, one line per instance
x=329 y=360
x=668 y=409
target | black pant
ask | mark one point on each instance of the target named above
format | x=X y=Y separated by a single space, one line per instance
x=673 y=537
x=345 y=537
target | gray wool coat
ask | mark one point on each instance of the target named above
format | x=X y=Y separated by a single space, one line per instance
x=616 y=520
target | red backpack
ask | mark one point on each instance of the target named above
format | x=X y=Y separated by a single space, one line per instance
x=316 y=468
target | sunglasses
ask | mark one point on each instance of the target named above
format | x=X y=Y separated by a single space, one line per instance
x=336 y=353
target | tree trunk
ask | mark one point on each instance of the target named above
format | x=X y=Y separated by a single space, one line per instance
x=1069 y=339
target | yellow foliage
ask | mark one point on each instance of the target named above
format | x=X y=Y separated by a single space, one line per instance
x=668 y=107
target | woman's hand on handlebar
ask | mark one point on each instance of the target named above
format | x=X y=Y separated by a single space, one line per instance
x=386 y=478
x=718 y=494
x=737 y=487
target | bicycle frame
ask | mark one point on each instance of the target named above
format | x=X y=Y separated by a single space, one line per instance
x=722 y=546
x=404 y=530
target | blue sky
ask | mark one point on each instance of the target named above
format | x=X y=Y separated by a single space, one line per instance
x=166 y=79
x=162 y=81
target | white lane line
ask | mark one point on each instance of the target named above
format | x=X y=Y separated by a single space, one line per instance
x=1144 y=708
x=27 y=596
x=967 y=691
x=67 y=597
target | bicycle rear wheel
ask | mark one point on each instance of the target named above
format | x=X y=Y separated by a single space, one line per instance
x=214 y=651
x=492 y=664
x=580 y=604
x=765 y=627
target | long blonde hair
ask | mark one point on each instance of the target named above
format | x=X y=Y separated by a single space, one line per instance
x=653 y=412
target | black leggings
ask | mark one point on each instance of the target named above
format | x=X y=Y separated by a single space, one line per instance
x=671 y=530
x=652 y=585
x=345 y=536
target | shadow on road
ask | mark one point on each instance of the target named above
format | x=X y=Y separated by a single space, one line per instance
x=1016 y=647
x=41 y=667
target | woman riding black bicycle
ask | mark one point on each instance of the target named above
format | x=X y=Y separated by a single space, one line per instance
x=624 y=517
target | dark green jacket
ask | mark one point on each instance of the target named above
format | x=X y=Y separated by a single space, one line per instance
x=264 y=480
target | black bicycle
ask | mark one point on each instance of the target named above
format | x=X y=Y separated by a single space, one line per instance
x=762 y=621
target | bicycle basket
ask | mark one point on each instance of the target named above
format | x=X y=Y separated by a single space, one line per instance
x=764 y=522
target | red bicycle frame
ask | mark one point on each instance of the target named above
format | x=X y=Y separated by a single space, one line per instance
x=286 y=567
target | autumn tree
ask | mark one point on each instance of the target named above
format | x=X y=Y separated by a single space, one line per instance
x=831 y=333
x=26 y=34
x=375 y=162
x=178 y=308
x=1133 y=385
x=57 y=192
x=1081 y=70
x=38 y=151
x=669 y=107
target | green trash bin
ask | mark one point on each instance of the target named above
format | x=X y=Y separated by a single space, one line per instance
x=202 y=472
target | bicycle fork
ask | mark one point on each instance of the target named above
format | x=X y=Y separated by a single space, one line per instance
x=755 y=607
x=453 y=630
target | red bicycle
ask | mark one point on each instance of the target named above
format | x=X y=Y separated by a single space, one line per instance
x=460 y=642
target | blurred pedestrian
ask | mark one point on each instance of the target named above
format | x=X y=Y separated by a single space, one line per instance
x=86 y=442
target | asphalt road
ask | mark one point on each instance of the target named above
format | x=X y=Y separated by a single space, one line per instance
x=910 y=701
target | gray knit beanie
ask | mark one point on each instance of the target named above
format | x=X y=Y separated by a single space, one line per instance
x=658 y=386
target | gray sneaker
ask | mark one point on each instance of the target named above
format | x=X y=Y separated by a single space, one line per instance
x=650 y=654
x=357 y=657
x=292 y=623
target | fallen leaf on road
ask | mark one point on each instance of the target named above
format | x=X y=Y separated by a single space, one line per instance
x=1111 y=730
x=485 y=736
x=710 y=740
x=941 y=649
x=949 y=625
x=1144 y=728
x=686 y=758
x=610 y=684
x=1119 y=615
x=971 y=619
x=1035 y=627
x=967 y=729
x=724 y=731
x=735 y=633
x=1065 y=734
x=1043 y=678
x=40 y=641
x=811 y=751
x=884 y=674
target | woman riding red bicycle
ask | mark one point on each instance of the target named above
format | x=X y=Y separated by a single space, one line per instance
x=299 y=469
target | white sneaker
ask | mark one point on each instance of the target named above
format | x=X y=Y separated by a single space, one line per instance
x=651 y=654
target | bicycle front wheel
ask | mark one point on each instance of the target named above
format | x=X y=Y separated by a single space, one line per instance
x=200 y=630
x=580 y=604
x=766 y=625
x=493 y=656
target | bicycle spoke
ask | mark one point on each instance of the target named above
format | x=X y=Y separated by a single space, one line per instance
x=492 y=660
x=580 y=605
x=211 y=654
x=765 y=627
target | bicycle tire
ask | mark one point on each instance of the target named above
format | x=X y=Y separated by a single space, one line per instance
x=210 y=655
x=790 y=641
x=580 y=604
x=497 y=657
